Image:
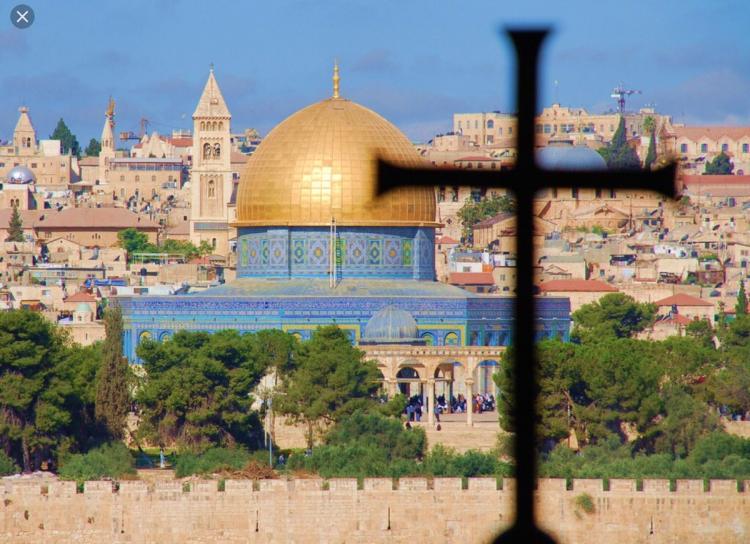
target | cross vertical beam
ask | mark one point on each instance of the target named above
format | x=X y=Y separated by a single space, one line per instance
x=524 y=180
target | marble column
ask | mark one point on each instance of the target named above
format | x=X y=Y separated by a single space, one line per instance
x=469 y=401
x=431 y=401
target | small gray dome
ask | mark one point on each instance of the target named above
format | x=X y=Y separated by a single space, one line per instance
x=20 y=174
x=391 y=325
x=566 y=156
x=83 y=308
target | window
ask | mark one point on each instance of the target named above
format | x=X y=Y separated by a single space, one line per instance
x=538 y=129
x=574 y=192
x=598 y=193
x=724 y=148
x=476 y=124
x=206 y=151
x=213 y=243
x=745 y=149
x=683 y=148
x=153 y=178
x=612 y=193
x=500 y=131
x=490 y=124
x=122 y=178
x=211 y=189
x=490 y=139
x=704 y=148
x=33 y=165
x=441 y=194
x=137 y=178
x=611 y=128
x=217 y=151
x=510 y=131
x=547 y=129
x=454 y=194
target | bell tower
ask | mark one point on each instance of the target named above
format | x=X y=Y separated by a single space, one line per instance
x=211 y=176
x=107 y=151
x=24 y=135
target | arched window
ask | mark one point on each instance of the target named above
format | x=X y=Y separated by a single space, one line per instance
x=203 y=125
x=206 y=151
x=217 y=151
x=221 y=125
x=451 y=339
x=211 y=189
x=213 y=125
x=213 y=243
x=490 y=124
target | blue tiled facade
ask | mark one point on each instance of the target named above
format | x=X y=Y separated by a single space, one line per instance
x=283 y=283
x=360 y=252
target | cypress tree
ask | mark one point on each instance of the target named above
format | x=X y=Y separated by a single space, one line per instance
x=112 y=392
x=651 y=153
x=15 y=227
x=618 y=154
x=741 y=306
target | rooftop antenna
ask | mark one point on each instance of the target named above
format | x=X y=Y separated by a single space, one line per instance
x=619 y=93
x=557 y=97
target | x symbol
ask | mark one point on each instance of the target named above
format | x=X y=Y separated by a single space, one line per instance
x=22 y=16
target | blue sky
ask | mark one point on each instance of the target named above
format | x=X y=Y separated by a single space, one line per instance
x=414 y=61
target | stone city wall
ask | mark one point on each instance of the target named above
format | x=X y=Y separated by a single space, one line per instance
x=375 y=510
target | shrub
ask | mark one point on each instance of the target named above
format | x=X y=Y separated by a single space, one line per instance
x=112 y=460
x=585 y=503
x=210 y=461
x=379 y=432
x=7 y=466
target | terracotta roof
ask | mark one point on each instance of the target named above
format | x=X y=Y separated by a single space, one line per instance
x=447 y=240
x=682 y=299
x=677 y=318
x=712 y=133
x=28 y=217
x=502 y=216
x=89 y=161
x=582 y=286
x=81 y=296
x=181 y=142
x=471 y=278
x=118 y=218
x=181 y=228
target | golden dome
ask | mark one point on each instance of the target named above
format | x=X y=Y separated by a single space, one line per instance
x=320 y=163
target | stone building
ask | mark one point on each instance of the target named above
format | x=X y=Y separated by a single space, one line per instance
x=211 y=179
x=317 y=246
x=52 y=170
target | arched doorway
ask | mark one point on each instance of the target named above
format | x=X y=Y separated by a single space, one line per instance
x=408 y=381
x=483 y=381
x=444 y=378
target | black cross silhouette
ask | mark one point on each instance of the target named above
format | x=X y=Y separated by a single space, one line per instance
x=524 y=180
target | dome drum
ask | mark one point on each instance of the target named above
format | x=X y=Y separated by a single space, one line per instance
x=360 y=252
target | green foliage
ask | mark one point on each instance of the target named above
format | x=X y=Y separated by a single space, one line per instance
x=473 y=212
x=7 y=465
x=651 y=153
x=720 y=165
x=15 y=227
x=35 y=400
x=113 y=385
x=330 y=379
x=701 y=330
x=618 y=154
x=133 y=241
x=377 y=431
x=445 y=462
x=615 y=315
x=184 y=247
x=197 y=389
x=93 y=149
x=111 y=460
x=68 y=141
x=585 y=503
x=210 y=461
x=649 y=124
x=740 y=308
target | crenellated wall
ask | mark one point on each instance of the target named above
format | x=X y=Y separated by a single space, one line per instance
x=377 y=510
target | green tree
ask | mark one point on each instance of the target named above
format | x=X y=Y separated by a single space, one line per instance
x=741 y=307
x=67 y=139
x=701 y=330
x=93 y=149
x=133 y=241
x=649 y=124
x=720 y=165
x=618 y=154
x=15 y=227
x=473 y=212
x=651 y=153
x=615 y=315
x=197 y=389
x=330 y=379
x=33 y=413
x=113 y=387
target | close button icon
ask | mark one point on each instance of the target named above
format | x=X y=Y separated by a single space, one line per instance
x=22 y=16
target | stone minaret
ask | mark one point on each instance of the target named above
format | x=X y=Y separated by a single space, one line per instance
x=211 y=176
x=108 y=141
x=24 y=135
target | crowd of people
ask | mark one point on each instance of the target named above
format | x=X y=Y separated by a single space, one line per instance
x=455 y=405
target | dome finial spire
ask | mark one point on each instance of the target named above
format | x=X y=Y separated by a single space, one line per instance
x=336 y=78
